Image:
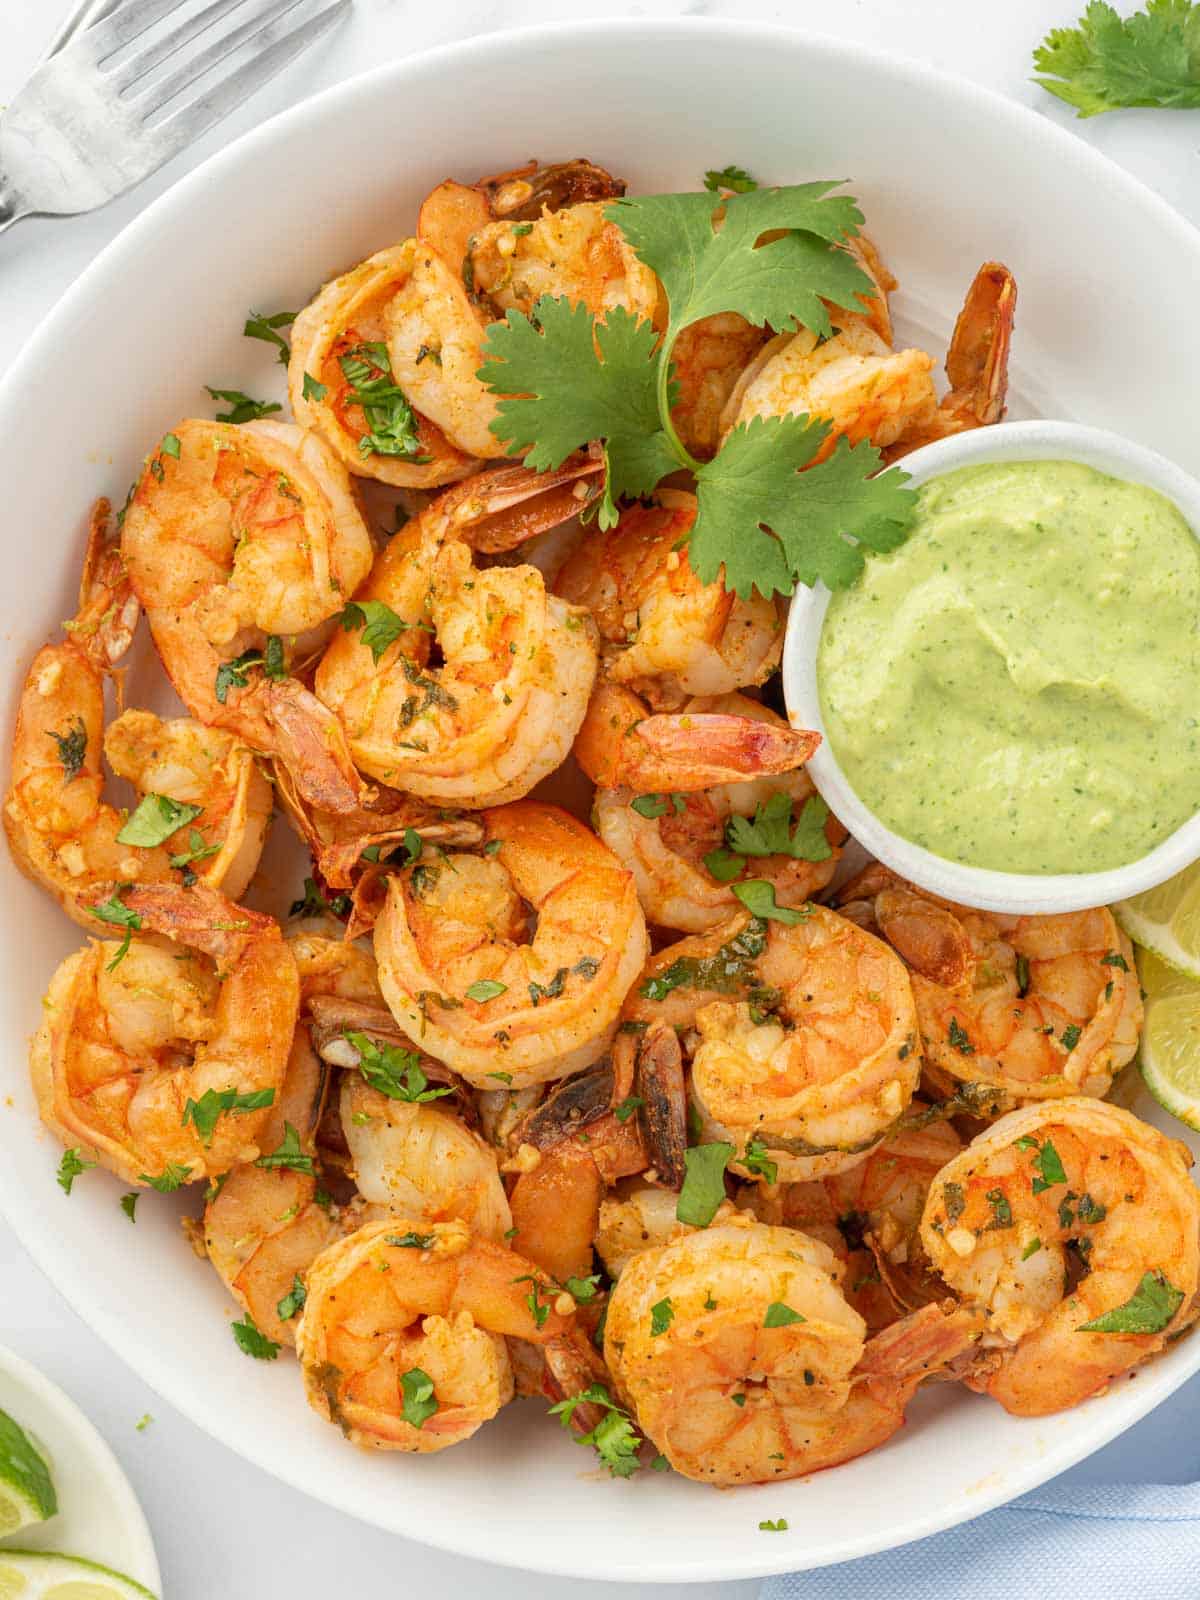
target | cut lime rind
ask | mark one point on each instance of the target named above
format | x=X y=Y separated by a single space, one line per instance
x=45 y=1575
x=1170 y=1049
x=26 y=1488
x=1166 y=920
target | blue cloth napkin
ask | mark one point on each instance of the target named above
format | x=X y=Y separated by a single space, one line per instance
x=1103 y=1528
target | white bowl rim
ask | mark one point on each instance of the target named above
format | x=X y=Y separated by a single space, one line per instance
x=1120 y=1410
x=1015 y=893
x=45 y=1393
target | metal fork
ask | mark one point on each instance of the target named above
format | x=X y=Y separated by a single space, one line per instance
x=105 y=111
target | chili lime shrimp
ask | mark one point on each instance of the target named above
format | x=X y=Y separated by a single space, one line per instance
x=243 y=544
x=664 y=634
x=464 y=975
x=639 y=1216
x=62 y=832
x=420 y=1161
x=517 y=668
x=870 y=1218
x=1036 y=1007
x=145 y=1056
x=707 y=360
x=1073 y=1225
x=264 y=1225
x=621 y=744
x=817 y=1064
x=402 y=1336
x=866 y=390
x=668 y=840
x=341 y=383
x=734 y=1390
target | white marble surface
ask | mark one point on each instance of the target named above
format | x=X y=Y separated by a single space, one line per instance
x=223 y=1528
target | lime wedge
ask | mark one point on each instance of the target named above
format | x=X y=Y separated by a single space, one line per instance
x=26 y=1487
x=1170 y=1056
x=1167 y=920
x=42 y=1575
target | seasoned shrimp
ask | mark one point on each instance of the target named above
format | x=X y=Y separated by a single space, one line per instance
x=341 y=382
x=639 y=1216
x=408 y=1311
x=866 y=390
x=622 y=745
x=870 y=1217
x=501 y=710
x=1036 y=1007
x=1074 y=1226
x=137 y=1053
x=459 y=975
x=707 y=360
x=420 y=1161
x=675 y=843
x=62 y=832
x=664 y=634
x=242 y=544
x=264 y=1225
x=818 y=1063
x=734 y=1390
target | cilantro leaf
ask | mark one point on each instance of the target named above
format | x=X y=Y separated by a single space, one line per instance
x=293 y=1301
x=758 y=896
x=583 y=1290
x=314 y=904
x=614 y=1438
x=312 y=390
x=251 y=1341
x=771 y=834
x=628 y=1106
x=661 y=1317
x=707 y=268
x=70 y=1167
x=155 y=819
x=1106 y=62
x=380 y=624
x=769 y=522
x=290 y=1153
x=483 y=990
x=172 y=1177
x=129 y=1205
x=704 y=1183
x=1149 y=1309
x=266 y=328
x=566 y=379
x=420 y=1402
x=242 y=408
x=1050 y=1169
x=116 y=912
x=72 y=748
x=213 y=1104
x=393 y=1071
x=781 y=1316
x=757 y=1160
x=735 y=178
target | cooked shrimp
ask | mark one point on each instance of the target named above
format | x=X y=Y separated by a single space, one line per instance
x=408 y=1310
x=341 y=382
x=243 y=543
x=734 y=1389
x=870 y=1217
x=543 y=1008
x=664 y=634
x=820 y=1062
x=66 y=837
x=420 y=1161
x=518 y=664
x=638 y=1216
x=667 y=840
x=707 y=360
x=621 y=745
x=137 y=1053
x=265 y=1225
x=1037 y=1007
x=1061 y=1216
x=865 y=390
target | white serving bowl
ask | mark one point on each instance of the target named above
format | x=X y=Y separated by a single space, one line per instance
x=1013 y=892
x=949 y=176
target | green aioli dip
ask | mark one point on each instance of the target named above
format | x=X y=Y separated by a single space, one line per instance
x=1018 y=685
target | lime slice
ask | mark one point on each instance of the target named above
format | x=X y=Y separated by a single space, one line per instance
x=42 y=1575
x=26 y=1487
x=1167 y=920
x=1170 y=1056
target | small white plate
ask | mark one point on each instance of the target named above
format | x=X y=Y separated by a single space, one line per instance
x=98 y=1516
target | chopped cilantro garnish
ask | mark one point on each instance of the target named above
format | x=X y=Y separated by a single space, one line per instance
x=628 y=1106
x=242 y=408
x=155 y=819
x=394 y=1071
x=614 y=1438
x=756 y=1160
x=662 y=1315
x=252 y=1342
x=70 y=1167
x=758 y=897
x=129 y=1205
x=289 y=1154
x=213 y=1104
x=172 y=1177
x=653 y=806
x=781 y=1316
x=72 y=748
x=1149 y=1309
x=381 y=626
x=1049 y=1167
x=482 y=990
x=266 y=328
x=735 y=178
x=704 y=1183
x=293 y=1300
x=420 y=1402
x=116 y=912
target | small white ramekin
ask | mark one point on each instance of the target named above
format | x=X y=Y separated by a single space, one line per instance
x=1014 y=892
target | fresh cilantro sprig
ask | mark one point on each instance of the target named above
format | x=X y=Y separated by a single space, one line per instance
x=1149 y=1309
x=566 y=379
x=615 y=1438
x=1107 y=62
x=395 y=1072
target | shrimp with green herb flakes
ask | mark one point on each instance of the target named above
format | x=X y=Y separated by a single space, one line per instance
x=402 y=1335
x=1074 y=1227
x=163 y=1055
x=740 y=1358
x=243 y=543
x=466 y=977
